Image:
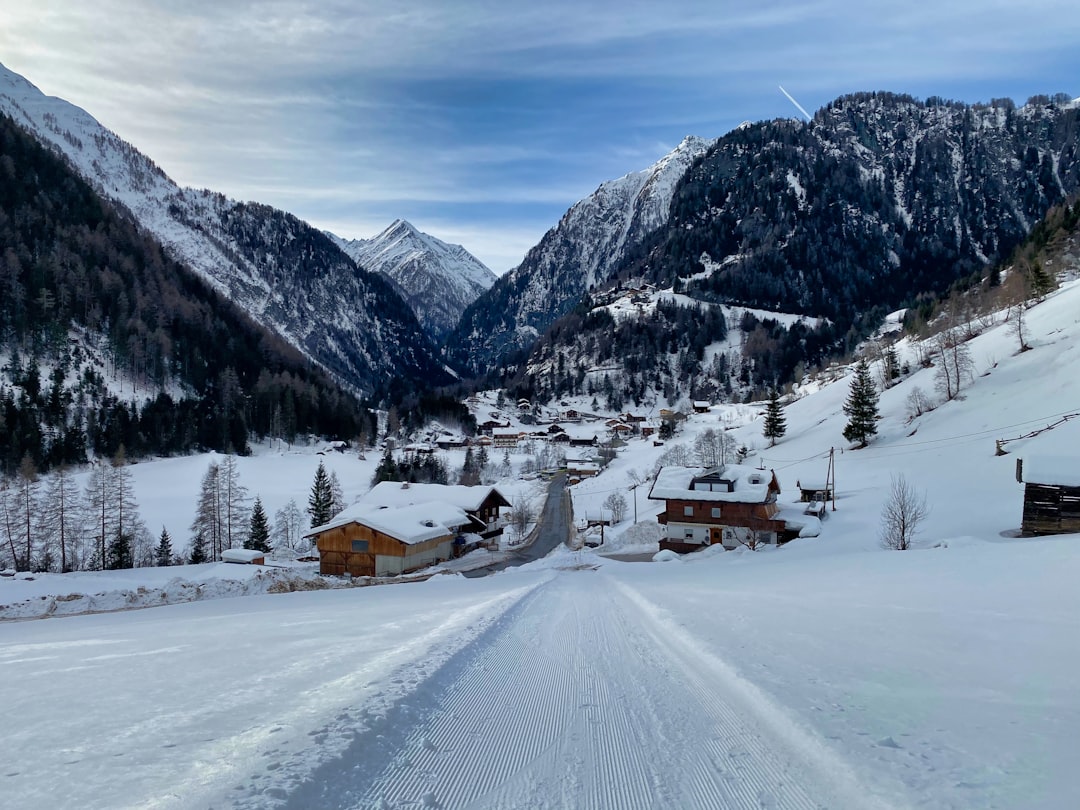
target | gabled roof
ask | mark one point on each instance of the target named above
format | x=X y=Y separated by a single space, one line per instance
x=748 y=484
x=410 y=524
x=395 y=493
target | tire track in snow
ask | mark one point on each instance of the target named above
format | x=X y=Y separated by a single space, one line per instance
x=577 y=698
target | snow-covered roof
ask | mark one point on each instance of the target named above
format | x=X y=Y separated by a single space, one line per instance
x=412 y=523
x=750 y=485
x=395 y=493
x=242 y=555
x=1058 y=470
x=808 y=525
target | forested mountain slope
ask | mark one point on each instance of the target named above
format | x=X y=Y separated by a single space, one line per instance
x=288 y=275
x=107 y=341
x=580 y=252
x=879 y=198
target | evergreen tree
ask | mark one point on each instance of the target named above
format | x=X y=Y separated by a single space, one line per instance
x=321 y=499
x=198 y=549
x=861 y=407
x=775 y=423
x=163 y=555
x=121 y=553
x=386 y=471
x=470 y=475
x=259 y=535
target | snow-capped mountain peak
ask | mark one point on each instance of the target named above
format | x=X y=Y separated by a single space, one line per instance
x=437 y=279
x=281 y=270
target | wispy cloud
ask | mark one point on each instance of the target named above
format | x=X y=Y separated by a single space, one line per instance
x=488 y=118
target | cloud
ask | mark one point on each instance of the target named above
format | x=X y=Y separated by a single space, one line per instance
x=488 y=118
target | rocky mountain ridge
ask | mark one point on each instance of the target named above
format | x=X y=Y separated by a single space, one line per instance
x=286 y=274
x=579 y=253
x=438 y=280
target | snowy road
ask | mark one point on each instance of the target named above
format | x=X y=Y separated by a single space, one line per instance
x=579 y=697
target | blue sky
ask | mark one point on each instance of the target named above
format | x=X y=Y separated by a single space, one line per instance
x=482 y=121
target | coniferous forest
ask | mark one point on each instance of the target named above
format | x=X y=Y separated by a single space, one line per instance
x=82 y=288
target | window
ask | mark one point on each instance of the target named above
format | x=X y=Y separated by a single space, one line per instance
x=359 y=546
x=688 y=511
x=689 y=534
x=716 y=511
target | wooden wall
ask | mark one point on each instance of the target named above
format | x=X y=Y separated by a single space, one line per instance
x=337 y=558
x=1050 y=510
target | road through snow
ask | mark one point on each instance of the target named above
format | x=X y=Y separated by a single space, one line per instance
x=580 y=696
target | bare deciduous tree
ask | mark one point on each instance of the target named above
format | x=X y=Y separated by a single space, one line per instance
x=918 y=403
x=905 y=508
x=522 y=514
x=616 y=504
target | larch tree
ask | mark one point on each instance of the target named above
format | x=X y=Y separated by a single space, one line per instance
x=97 y=500
x=209 y=520
x=61 y=518
x=28 y=488
x=259 y=529
x=861 y=407
x=337 y=496
x=235 y=518
x=775 y=423
x=321 y=499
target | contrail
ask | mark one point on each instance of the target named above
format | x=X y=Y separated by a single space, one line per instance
x=791 y=98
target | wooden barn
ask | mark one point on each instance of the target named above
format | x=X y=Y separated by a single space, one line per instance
x=369 y=541
x=730 y=506
x=1051 y=494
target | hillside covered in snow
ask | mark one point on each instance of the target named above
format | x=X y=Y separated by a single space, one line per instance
x=287 y=275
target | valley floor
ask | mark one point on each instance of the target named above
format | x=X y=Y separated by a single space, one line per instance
x=788 y=679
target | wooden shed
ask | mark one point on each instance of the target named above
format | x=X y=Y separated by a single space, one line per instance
x=1051 y=494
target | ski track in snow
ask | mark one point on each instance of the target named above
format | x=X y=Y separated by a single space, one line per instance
x=542 y=711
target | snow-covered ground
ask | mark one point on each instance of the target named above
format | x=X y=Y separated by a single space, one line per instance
x=828 y=673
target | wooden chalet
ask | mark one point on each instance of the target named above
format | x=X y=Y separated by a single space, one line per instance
x=731 y=505
x=508 y=440
x=701 y=406
x=579 y=470
x=583 y=441
x=1051 y=494
x=483 y=504
x=371 y=541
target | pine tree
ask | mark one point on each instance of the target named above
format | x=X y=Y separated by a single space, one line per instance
x=775 y=424
x=321 y=499
x=198 y=549
x=120 y=552
x=386 y=471
x=163 y=555
x=861 y=407
x=259 y=535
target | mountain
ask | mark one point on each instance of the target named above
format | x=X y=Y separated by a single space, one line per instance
x=288 y=275
x=881 y=200
x=581 y=252
x=436 y=279
x=107 y=343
